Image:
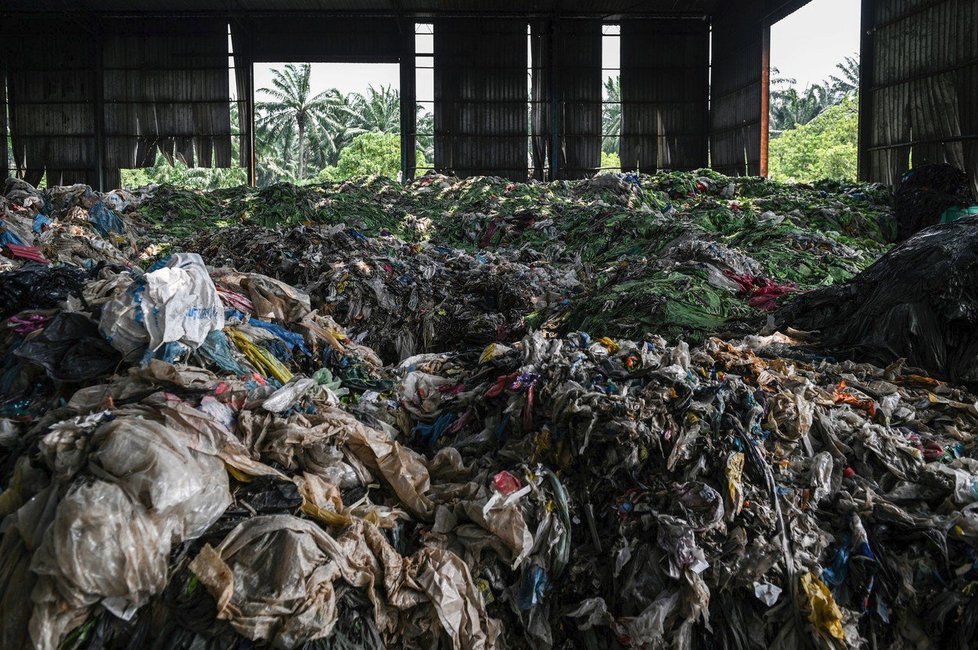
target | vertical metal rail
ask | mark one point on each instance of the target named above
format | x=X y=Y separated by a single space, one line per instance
x=98 y=108
x=555 y=126
x=867 y=109
x=765 y=95
x=409 y=110
x=4 y=153
x=250 y=110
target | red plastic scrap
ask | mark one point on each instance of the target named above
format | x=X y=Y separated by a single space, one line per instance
x=235 y=300
x=842 y=397
x=497 y=389
x=506 y=483
x=31 y=253
x=762 y=293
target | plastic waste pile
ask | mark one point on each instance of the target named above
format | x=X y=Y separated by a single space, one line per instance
x=200 y=451
x=931 y=194
x=918 y=303
x=697 y=253
x=402 y=298
x=71 y=224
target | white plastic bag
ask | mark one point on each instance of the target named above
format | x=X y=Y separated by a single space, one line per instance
x=181 y=303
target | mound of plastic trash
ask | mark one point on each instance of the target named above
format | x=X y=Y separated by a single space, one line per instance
x=198 y=449
x=918 y=304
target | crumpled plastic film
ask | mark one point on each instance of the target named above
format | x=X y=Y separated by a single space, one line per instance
x=298 y=566
x=403 y=437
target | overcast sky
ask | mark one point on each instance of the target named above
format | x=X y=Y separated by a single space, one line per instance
x=805 y=46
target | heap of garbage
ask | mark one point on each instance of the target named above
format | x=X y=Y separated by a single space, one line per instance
x=333 y=434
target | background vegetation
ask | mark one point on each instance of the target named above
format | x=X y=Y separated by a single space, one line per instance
x=302 y=137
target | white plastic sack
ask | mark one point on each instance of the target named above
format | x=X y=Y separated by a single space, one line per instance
x=181 y=303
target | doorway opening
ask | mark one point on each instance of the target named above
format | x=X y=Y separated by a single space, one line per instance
x=813 y=117
x=326 y=122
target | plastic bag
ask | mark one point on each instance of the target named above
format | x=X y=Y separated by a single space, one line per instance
x=181 y=303
x=70 y=349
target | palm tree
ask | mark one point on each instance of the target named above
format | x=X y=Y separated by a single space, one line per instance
x=294 y=111
x=426 y=127
x=334 y=132
x=789 y=108
x=377 y=110
x=846 y=83
x=611 y=115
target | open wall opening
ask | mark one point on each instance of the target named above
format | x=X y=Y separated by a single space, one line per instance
x=813 y=120
x=610 y=97
x=424 y=79
x=319 y=122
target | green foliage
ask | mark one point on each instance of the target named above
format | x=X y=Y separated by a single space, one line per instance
x=825 y=147
x=610 y=162
x=611 y=116
x=791 y=107
x=178 y=174
x=369 y=154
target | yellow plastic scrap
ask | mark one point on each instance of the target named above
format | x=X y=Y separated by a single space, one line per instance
x=824 y=612
x=264 y=360
x=735 y=476
x=610 y=345
x=487 y=354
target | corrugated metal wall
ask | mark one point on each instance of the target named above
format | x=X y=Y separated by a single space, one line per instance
x=665 y=67
x=541 y=62
x=145 y=84
x=922 y=95
x=166 y=87
x=51 y=86
x=577 y=67
x=481 y=97
x=736 y=99
x=323 y=39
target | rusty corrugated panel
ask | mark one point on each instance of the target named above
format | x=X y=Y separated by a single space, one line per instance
x=577 y=65
x=166 y=87
x=664 y=93
x=924 y=89
x=481 y=97
x=735 y=104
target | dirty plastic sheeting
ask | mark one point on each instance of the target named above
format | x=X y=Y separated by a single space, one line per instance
x=481 y=414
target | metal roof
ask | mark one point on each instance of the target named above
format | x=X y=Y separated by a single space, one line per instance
x=414 y=7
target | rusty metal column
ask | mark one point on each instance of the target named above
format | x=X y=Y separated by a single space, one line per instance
x=765 y=95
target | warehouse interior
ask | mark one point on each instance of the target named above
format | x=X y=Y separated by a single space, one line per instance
x=556 y=350
x=144 y=75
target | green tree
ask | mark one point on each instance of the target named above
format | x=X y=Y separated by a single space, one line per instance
x=294 y=112
x=376 y=110
x=789 y=108
x=846 y=83
x=825 y=147
x=334 y=131
x=368 y=154
x=610 y=162
x=426 y=127
x=611 y=115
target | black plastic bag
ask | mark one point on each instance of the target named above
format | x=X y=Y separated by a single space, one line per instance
x=71 y=349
